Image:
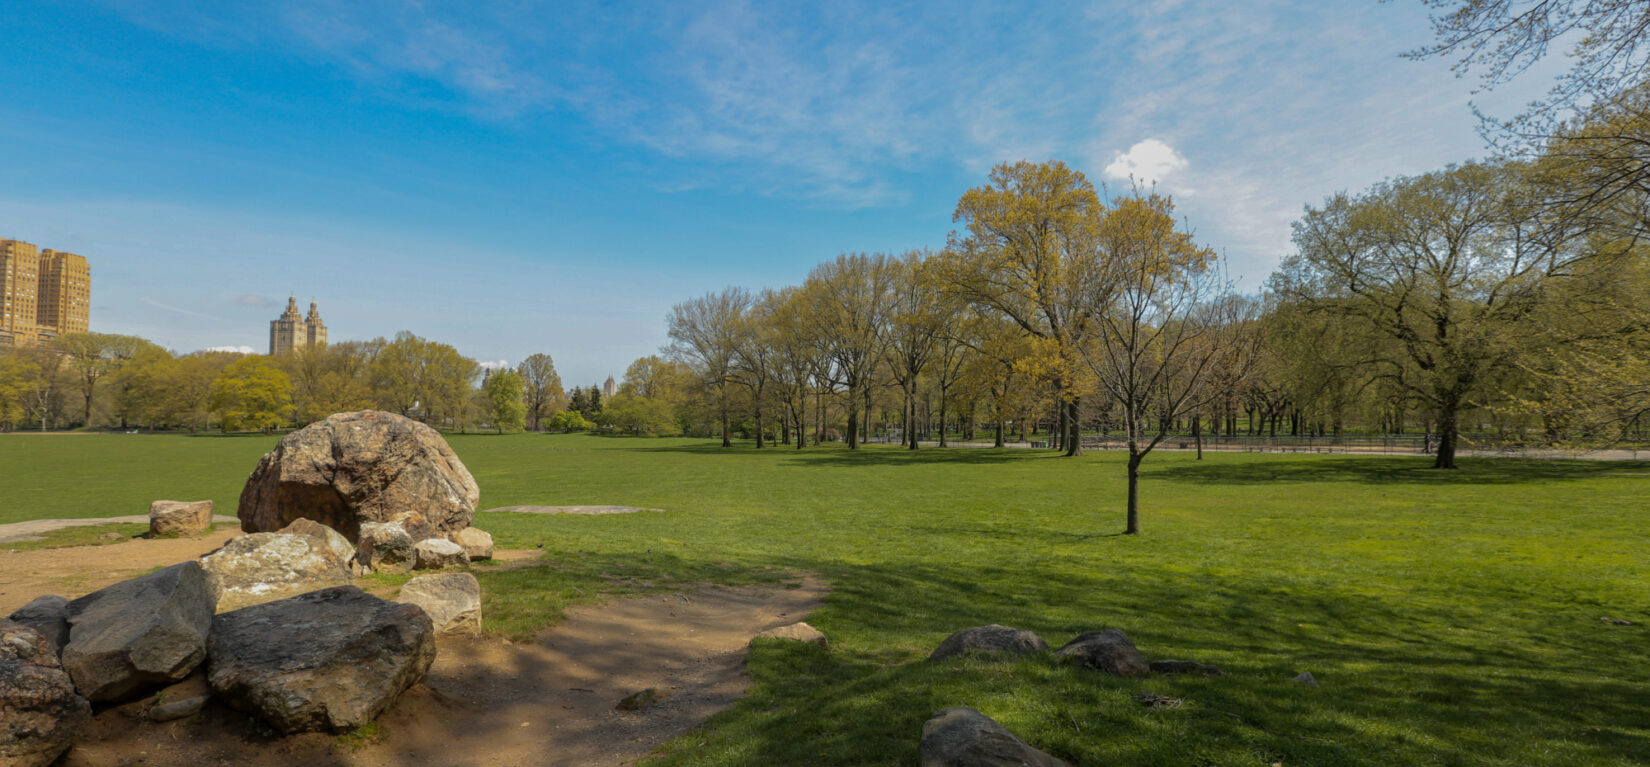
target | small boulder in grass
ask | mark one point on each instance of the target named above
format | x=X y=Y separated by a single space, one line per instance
x=990 y=640
x=1108 y=651
x=963 y=737
x=1306 y=678
x=477 y=543
x=179 y=518
x=795 y=632
x=436 y=553
x=1184 y=667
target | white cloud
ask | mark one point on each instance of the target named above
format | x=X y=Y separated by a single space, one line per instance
x=1147 y=162
x=494 y=364
x=232 y=349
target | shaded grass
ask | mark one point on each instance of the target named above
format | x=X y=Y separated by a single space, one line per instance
x=1453 y=618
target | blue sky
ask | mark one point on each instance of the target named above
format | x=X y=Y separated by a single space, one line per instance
x=514 y=177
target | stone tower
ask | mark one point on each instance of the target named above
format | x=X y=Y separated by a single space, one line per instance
x=610 y=388
x=291 y=330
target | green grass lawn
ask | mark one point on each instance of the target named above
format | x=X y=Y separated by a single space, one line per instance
x=1452 y=618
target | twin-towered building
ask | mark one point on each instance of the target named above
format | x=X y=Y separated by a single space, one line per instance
x=44 y=294
x=291 y=331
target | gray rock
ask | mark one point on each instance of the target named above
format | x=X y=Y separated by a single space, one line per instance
x=139 y=634
x=179 y=518
x=795 y=632
x=263 y=567
x=436 y=553
x=40 y=713
x=452 y=600
x=1305 y=678
x=330 y=539
x=385 y=548
x=48 y=615
x=963 y=737
x=990 y=640
x=1108 y=651
x=178 y=709
x=354 y=468
x=1184 y=667
x=327 y=660
x=477 y=543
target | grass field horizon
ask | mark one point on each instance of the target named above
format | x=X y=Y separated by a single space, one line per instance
x=1452 y=617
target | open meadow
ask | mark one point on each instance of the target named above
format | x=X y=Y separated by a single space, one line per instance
x=1451 y=617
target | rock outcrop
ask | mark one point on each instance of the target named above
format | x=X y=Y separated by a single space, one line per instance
x=990 y=640
x=327 y=660
x=354 y=468
x=452 y=600
x=263 y=567
x=40 y=713
x=139 y=634
x=963 y=737
x=176 y=518
x=1108 y=651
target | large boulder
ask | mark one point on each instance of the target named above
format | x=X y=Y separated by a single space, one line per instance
x=436 y=553
x=452 y=600
x=963 y=737
x=327 y=660
x=386 y=547
x=139 y=634
x=990 y=640
x=1108 y=651
x=48 y=615
x=477 y=543
x=263 y=567
x=354 y=468
x=40 y=714
x=174 y=518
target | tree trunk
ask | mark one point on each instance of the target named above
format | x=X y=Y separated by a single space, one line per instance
x=725 y=441
x=944 y=427
x=998 y=440
x=1448 y=435
x=853 y=420
x=1197 y=434
x=761 y=437
x=1134 y=491
x=1074 y=430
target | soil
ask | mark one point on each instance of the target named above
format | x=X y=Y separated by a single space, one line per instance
x=486 y=701
x=33 y=529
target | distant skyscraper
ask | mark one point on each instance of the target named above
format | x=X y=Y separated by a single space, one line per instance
x=610 y=388
x=290 y=330
x=44 y=294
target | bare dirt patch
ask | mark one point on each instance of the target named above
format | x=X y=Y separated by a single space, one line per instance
x=486 y=701
x=490 y=702
x=34 y=528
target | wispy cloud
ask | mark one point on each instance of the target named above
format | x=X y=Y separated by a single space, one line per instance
x=231 y=349
x=180 y=310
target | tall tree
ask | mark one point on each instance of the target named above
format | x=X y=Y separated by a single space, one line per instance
x=252 y=393
x=850 y=303
x=1029 y=253
x=505 y=390
x=1448 y=265
x=543 y=391
x=704 y=334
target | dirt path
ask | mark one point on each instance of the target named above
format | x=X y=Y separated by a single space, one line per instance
x=34 y=528
x=78 y=570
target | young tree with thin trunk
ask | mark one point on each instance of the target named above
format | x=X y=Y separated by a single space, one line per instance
x=542 y=390
x=1166 y=322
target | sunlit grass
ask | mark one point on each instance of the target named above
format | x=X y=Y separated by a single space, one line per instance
x=1452 y=617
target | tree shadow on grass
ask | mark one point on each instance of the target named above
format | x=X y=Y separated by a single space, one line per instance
x=1391 y=470
x=840 y=455
x=1400 y=683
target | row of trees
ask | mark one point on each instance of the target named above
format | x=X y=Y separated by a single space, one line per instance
x=91 y=379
